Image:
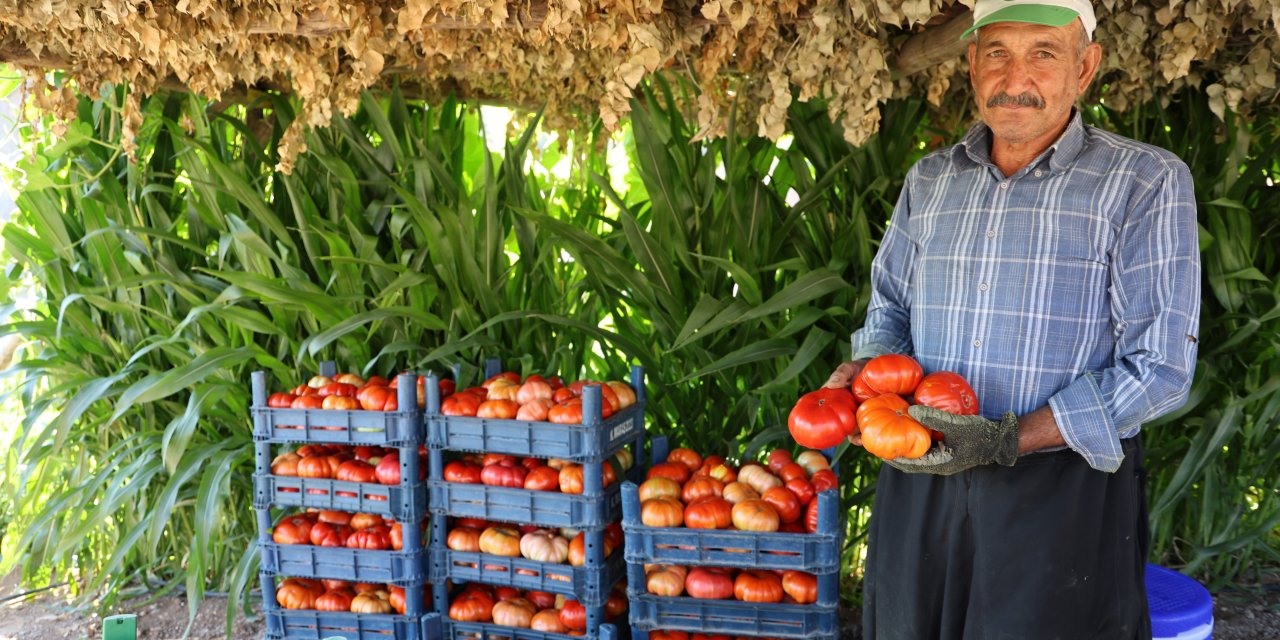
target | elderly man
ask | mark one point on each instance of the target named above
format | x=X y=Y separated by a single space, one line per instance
x=1056 y=267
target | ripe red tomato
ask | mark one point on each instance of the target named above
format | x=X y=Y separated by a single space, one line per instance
x=542 y=479
x=709 y=582
x=573 y=615
x=280 y=400
x=948 y=392
x=892 y=373
x=823 y=418
x=801 y=586
x=824 y=479
x=754 y=585
x=498 y=409
x=709 y=513
x=570 y=478
x=802 y=490
x=674 y=470
x=377 y=398
x=464 y=472
x=356 y=471
x=567 y=412
x=461 y=404
x=778 y=458
x=496 y=475
x=784 y=502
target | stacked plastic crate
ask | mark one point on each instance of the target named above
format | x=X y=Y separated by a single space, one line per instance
x=405 y=502
x=590 y=444
x=817 y=553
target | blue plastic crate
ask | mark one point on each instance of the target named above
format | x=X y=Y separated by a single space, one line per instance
x=298 y=624
x=406 y=502
x=592 y=441
x=541 y=508
x=485 y=631
x=341 y=563
x=1180 y=607
x=385 y=428
x=650 y=612
x=816 y=553
x=588 y=585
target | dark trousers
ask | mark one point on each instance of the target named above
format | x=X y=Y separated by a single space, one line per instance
x=1047 y=548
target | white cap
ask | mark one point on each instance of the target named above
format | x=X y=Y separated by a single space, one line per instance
x=1052 y=13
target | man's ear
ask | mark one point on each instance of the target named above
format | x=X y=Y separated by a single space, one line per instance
x=1089 y=63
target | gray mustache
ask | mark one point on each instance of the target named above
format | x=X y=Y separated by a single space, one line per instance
x=1021 y=100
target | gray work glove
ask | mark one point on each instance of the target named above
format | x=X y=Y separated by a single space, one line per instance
x=970 y=441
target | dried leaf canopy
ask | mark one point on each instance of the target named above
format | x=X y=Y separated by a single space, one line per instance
x=583 y=59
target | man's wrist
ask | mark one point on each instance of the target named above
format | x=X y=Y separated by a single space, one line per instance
x=1039 y=430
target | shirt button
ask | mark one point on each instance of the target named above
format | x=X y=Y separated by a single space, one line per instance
x=982 y=287
x=1004 y=185
x=991 y=234
x=1039 y=173
x=977 y=343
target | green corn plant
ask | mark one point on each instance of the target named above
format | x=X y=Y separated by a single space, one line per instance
x=1214 y=465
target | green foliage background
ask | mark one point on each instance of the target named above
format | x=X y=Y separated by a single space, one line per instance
x=733 y=270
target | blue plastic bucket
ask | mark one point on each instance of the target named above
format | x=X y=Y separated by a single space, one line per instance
x=1181 y=609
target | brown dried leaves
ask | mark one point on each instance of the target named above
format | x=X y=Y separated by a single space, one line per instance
x=584 y=59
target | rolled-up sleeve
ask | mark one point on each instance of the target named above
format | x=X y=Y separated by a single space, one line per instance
x=1155 y=305
x=887 y=327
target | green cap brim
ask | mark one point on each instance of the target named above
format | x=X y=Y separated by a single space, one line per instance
x=1033 y=13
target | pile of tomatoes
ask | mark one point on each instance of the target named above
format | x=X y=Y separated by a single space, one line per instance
x=348 y=463
x=340 y=529
x=536 y=474
x=537 y=610
x=718 y=583
x=875 y=405
x=535 y=398
x=340 y=595
x=709 y=493
x=350 y=392
x=563 y=546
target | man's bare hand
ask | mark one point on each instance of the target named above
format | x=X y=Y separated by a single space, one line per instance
x=842 y=378
x=844 y=374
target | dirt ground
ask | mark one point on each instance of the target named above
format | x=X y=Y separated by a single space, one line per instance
x=1238 y=615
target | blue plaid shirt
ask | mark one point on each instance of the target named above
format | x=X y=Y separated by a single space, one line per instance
x=1074 y=282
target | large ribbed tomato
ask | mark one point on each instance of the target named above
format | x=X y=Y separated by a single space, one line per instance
x=298 y=593
x=710 y=582
x=473 y=607
x=947 y=391
x=324 y=534
x=892 y=373
x=823 y=418
x=280 y=400
x=335 y=600
x=461 y=404
x=709 y=513
x=887 y=430
x=374 y=538
x=801 y=586
x=662 y=512
x=754 y=585
x=293 y=530
x=514 y=612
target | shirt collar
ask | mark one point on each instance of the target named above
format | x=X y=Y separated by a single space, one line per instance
x=976 y=144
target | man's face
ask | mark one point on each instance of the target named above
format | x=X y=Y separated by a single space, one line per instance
x=1027 y=76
